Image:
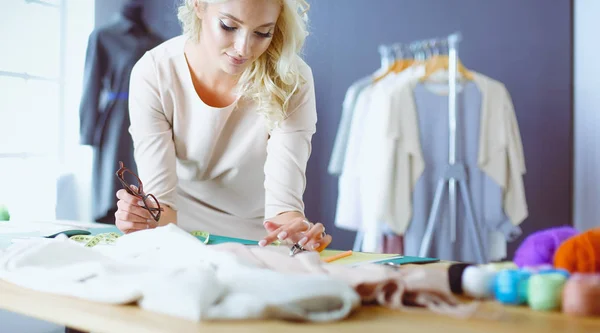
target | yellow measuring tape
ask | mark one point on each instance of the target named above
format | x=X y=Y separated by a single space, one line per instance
x=111 y=237
x=205 y=235
x=91 y=241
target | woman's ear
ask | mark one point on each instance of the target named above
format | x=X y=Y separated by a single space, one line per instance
x=200 y=8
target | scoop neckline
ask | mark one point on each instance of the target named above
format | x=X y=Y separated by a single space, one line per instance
x=190 y=82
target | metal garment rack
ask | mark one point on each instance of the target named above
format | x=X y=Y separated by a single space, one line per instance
x=455 y=174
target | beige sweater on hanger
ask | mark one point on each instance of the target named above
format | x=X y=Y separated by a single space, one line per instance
x=500 y=151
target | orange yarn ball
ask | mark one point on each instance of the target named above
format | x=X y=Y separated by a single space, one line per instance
x=580 y=253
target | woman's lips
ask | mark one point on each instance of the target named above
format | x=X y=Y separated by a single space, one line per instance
x=236 y=60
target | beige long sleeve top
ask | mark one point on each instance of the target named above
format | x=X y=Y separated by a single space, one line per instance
x=220 y=168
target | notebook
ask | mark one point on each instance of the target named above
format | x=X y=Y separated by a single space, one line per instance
x=361 y=258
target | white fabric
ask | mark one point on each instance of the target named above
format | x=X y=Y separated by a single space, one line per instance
x=376 y=155
x=348 y=211
x=167 y=270
x=205 y=162
x=338 y=153
x=365 y=179
x=340 y=144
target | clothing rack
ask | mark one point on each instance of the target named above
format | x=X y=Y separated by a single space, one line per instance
x=455 y=174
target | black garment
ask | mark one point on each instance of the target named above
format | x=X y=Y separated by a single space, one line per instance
x=104 y=115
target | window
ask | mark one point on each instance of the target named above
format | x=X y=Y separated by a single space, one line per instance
x=41 y=69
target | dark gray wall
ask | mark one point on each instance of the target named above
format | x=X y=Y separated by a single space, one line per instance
x=525 y=44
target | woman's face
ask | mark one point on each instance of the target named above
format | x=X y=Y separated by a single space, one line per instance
x=236 y=32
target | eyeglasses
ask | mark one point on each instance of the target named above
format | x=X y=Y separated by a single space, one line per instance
x=149 y=200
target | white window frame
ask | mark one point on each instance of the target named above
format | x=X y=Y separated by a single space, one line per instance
x=61 y=158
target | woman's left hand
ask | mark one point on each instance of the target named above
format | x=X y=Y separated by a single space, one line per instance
x=310 y=236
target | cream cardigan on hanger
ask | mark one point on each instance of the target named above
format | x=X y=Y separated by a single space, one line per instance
x=500 y=153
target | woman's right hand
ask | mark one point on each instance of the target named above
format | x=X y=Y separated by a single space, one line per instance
x=131 y=215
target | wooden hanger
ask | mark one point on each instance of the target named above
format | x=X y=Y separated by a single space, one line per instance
x=442 y=62
x=397 y=67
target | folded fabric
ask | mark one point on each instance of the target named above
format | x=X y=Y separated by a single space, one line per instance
x=404 y=288
x=167 y=270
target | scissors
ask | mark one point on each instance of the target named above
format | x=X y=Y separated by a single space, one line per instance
x=295 y=249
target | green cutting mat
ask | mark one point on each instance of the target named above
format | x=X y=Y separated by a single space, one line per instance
x=216 y=239
x=403 y=260
x=355 y=259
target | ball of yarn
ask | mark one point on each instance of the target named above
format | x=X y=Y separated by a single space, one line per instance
x=477 y=282
x=580 y=254
x=581 y=295
x=544 y=291
x=539 y=248
x=510 y=286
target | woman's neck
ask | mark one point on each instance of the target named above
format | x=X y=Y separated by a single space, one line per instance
x=208 y=71
x=213 y=86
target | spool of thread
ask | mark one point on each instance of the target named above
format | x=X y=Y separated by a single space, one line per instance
x=581 y=295
x=544 y=291
x=477 y=282
x=580 y=254
x=511 y=286
x=455 y=274
x=539 y=247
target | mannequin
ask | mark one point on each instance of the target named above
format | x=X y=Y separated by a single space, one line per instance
x=112 y=51
x=133 y=11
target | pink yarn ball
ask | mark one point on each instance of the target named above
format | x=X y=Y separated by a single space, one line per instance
x=581 y=295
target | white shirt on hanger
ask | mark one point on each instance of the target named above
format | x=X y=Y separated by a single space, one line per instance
x=361 y=198
x=376 y=156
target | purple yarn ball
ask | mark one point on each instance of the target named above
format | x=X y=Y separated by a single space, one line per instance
x=539 y=248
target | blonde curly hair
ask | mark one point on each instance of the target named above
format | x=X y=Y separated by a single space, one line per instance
x=273 y=78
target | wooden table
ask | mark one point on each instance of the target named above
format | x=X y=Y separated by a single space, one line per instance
x=101 y=318
x=95 y=317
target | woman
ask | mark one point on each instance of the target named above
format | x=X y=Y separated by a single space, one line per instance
x=222 y=119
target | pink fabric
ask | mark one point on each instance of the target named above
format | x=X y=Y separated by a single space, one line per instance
x=415 y=286
x=393 y=244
